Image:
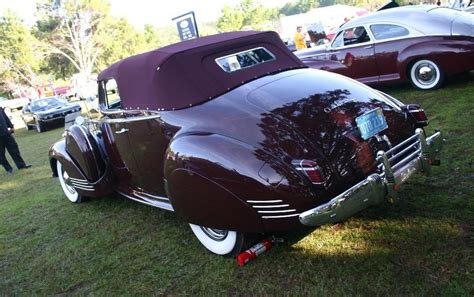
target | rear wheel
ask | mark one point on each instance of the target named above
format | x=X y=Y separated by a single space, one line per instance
x=426 y=75
x=220 y=242
x=70 y=192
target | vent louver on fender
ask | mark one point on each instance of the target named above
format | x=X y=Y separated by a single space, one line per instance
x=273 y=209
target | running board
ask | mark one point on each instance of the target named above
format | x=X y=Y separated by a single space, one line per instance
x=163 y=204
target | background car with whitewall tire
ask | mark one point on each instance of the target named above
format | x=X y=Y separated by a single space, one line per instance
x=44 y=113
x=420 y=44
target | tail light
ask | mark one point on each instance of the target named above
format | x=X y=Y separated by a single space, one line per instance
x=311 y=169
x=417 y=113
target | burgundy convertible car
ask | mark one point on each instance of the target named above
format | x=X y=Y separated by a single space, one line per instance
x=421 y=44
x=239 y=138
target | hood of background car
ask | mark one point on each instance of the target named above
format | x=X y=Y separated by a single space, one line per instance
x=55 y=109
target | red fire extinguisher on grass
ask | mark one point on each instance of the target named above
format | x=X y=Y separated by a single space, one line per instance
x=254 y=251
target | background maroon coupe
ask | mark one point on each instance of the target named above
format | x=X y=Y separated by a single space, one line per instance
x=421 y=44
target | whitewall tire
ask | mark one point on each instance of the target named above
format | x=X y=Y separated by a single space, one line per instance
x=426 y=75
x=70 y=192
x=220 y=242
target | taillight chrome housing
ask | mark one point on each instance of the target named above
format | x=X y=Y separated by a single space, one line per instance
x=312 y=171
x=417 y=113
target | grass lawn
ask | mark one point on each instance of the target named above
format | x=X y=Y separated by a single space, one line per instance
x=422 y=245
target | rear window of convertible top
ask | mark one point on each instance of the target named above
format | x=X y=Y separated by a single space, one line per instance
x=245 y=59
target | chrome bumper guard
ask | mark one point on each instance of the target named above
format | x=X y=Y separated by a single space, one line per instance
x=415 y=154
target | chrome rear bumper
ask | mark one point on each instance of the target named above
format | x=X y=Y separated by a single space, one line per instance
x=415 y=154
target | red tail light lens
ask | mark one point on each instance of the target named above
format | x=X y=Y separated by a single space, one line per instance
x=417 y=113
x=311 y=169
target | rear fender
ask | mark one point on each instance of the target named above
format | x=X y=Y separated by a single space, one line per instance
x=217 y=182
x=198 y=171
x=453 y=54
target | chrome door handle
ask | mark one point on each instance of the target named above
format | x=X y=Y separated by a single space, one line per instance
x=369 y=46
x=123 y=130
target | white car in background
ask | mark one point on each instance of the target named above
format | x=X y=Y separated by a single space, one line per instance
x=10 y=105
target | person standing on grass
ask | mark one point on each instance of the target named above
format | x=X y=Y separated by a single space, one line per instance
x=7 y=142
x=300 y=41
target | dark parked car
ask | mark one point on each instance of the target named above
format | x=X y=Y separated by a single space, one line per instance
x=47 y=112
x=422 y=44
x=238 y=137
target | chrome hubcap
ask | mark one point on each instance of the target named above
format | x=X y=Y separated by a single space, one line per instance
x=215 y=234
x=426 y=74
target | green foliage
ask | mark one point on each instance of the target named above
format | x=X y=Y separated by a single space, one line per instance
x=301 y=6
x=120 y=40
x=19 y=60
x=81 y=36
x=249 y=14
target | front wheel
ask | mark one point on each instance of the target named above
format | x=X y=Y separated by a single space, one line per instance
x=70 y=192
x=220 y=242
x=39 y=126
x=426 y=75
x=28 y=127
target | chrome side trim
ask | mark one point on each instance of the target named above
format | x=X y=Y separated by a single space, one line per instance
x=158 y=204
x=76 y=184
x=79 y=181
x=271 y=206
x=81 y=184
x=149 y=196
x=133 y=119
x=281 y=216
x=277 y=211
x=84 y=189
x=264 y=201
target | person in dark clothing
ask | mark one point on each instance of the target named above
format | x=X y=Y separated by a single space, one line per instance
x=7 y=142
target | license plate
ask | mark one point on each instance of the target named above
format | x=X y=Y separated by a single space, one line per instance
x=371 y=123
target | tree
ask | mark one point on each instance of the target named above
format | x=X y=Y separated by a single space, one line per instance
x=248 y=14
x=19 y=54
x=71 y=29
x=122 y=40
x=301 y=6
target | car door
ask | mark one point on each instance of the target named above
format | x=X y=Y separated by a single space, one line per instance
x=390 y=41
x=135 y=144
x=352 y=54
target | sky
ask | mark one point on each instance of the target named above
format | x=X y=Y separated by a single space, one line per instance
x=140 y=12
